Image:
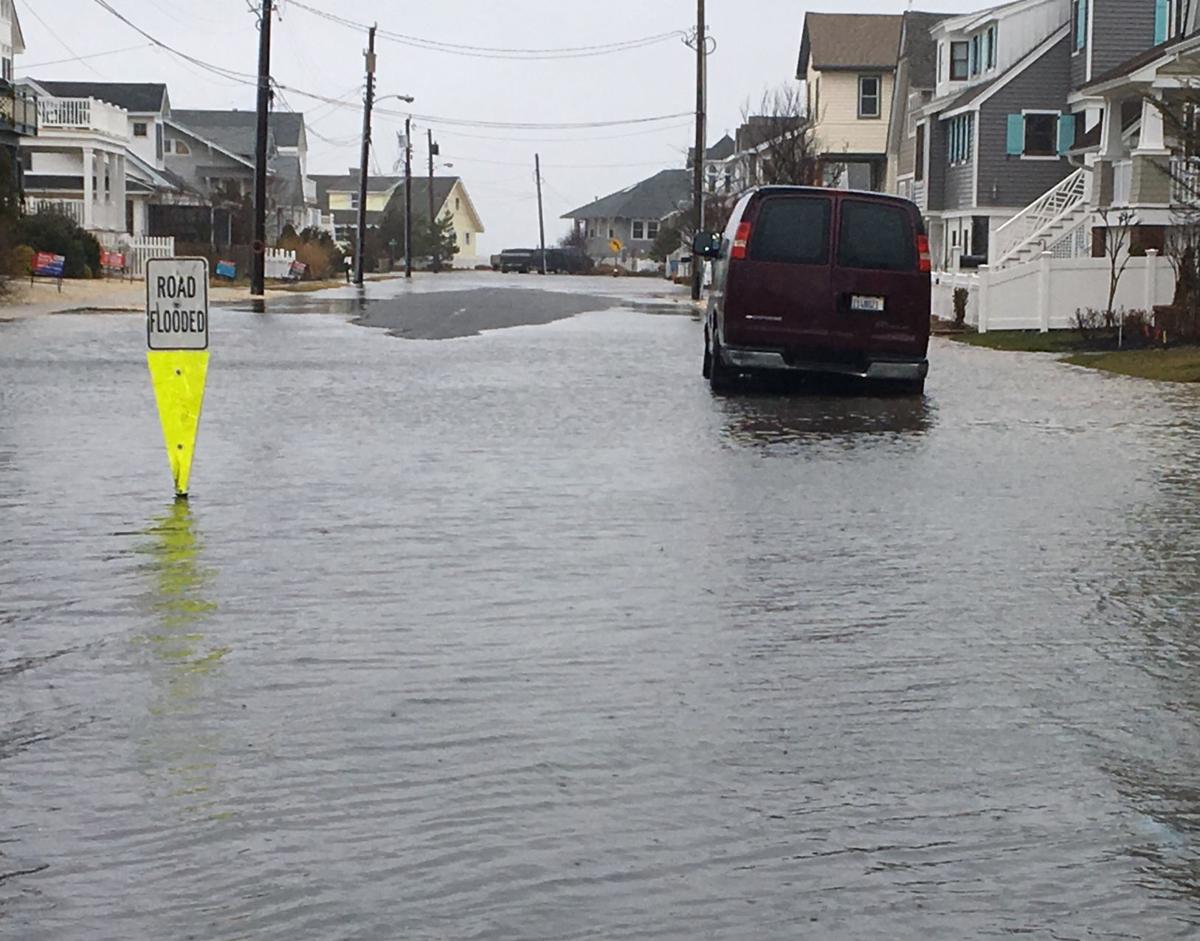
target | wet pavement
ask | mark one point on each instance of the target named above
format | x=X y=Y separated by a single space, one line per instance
x=525 y=635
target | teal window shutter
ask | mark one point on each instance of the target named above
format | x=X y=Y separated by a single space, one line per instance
x=1066 y=133
x=1160 y=21
x=1016 y=135
x=1081 y=14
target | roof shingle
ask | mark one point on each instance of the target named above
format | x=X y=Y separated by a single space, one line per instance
x=849 y=41
x=653 y=198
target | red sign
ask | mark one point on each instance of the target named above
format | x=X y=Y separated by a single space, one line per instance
x=112 y=260
x=48 y=264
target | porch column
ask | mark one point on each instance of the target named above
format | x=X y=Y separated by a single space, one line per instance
x=89 y=189
x=1151 y=140
x=1110 y=132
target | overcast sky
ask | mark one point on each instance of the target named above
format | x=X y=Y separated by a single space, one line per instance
x=758 y=43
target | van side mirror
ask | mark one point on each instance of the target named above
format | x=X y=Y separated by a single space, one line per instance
x=707 y=244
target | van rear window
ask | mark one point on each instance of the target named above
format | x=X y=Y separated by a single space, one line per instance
x=874 y=235
x=793 y=229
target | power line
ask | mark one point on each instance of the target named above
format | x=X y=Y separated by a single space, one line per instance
x=248 y=79
x=53 y=32
x=94 y=55
x=493 y=52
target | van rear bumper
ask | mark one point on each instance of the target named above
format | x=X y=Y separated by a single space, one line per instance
x=773 y=360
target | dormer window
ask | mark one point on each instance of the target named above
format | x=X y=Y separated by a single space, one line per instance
x=976 y=60
x=959 y=61
x=940 y=55
x=989 y=45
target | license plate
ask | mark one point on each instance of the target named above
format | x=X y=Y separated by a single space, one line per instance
x=867 y=303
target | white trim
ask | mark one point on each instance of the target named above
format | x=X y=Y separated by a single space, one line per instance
x=975 y=154
x=1091 y=24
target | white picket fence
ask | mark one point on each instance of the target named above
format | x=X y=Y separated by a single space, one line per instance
x=1045 y=294
x=279 y=263
x=142 y=248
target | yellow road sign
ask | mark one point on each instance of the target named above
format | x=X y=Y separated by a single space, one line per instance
x=615 y=246
x=177 y=354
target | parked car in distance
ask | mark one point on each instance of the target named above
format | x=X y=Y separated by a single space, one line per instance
x=518 y=259
x=815 y=280
x=495 y=261
x=566 y=261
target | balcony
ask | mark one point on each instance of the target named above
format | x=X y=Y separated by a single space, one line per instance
x=18 y=110
x=71 y=208
x=83 y=115
x=1185 y=181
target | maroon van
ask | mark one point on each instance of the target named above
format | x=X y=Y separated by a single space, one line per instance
x=819 y=280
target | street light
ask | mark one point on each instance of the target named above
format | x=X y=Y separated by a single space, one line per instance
x=371 y=100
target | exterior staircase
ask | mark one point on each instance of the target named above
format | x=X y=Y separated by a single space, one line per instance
x=1057 y=221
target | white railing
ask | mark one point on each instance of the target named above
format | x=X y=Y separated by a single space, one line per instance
x=1185 y=181
x=71 y=208
x=83 y=114
x=1032 y=221
x=1122 y=182
x=141 y=249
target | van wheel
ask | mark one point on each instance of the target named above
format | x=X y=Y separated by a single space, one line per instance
x=720 y=376
x=706 y=368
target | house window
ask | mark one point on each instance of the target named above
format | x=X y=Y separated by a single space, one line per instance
x=467 y=237
x=181 y=148
x=6 y=63
x=990 y=47
x=639 y=229
x=1033 y=134
x=592 y=232
x=975 y=58
x=652 y=229
x=139 y=129
x=354 y=201
x=1079 y=17
x=868 y=96
x=940 y=55
x=612 y=234
x=959 y=61
x=961 y=139
x=457 y=204
x=919 y=169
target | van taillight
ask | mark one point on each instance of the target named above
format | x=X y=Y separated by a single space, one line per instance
x=924 y=263
x=740 y=240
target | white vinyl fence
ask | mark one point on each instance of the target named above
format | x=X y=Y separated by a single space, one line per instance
x=1045 y=294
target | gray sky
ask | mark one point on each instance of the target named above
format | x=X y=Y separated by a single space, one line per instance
x=758 y=44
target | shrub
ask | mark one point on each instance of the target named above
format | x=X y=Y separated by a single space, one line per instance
x=22 y=260
x=961 y=296
x=317 y=258
x=288 y=239
x=58 y=233
x=1087 y=321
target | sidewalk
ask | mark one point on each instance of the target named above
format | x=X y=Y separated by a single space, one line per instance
x=113 y=296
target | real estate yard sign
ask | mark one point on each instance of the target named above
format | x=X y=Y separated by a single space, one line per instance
x=177 y=353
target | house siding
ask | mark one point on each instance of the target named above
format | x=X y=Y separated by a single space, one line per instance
x=1121 y=31
x=838 y=126
x=960 y=186
x=936 y=179
x=1009 y=181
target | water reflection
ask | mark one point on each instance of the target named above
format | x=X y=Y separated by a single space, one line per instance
x=180 y=740
x=787 y=419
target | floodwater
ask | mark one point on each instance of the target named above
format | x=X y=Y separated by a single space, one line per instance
x=527 y=636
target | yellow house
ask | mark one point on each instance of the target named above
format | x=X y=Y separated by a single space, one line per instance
x=848 y=66
x=338 y=198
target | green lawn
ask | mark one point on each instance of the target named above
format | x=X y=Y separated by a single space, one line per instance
x=1024 y=341
x=1175 y=364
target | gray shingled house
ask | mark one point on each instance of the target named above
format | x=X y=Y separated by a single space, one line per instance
x=633 y=215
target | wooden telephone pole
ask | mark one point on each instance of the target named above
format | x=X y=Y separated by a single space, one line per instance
x=258 y=260
x=368 y=103
x=408 y=198
x=698 y=159
x=537 y=164
x=433 y=227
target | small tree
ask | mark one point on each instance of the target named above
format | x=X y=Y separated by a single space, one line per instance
x=781 y=140
x=666 y=243
x=1117 y=227
x=576 y=240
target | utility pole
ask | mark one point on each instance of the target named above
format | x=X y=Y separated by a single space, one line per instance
x=537 y=163
x=698 y=159
x=408 y=197
x=368 y=103
x=258 y=261
x=433 y=229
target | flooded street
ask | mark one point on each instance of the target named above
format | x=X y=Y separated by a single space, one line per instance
x=525 y=635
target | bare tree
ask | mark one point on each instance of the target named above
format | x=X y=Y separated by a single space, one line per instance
x=779 y=140
x=1117 y=229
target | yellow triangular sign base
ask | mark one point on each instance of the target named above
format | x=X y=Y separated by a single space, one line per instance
x=178 y=377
